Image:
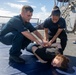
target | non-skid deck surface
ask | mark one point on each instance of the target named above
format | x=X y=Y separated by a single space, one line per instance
x=31 y=67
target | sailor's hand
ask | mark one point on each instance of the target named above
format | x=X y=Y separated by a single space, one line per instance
x=49 y=43
x=45 y=43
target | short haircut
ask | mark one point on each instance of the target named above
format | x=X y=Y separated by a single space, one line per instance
x=56 y=11
x=27 y=8
x=64 y=64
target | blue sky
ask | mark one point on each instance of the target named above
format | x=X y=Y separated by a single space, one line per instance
x=42 y=8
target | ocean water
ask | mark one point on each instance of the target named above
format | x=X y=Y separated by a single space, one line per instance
x=35 y=21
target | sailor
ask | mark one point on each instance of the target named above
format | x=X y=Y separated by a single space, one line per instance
x=54 y=27
x=17 y=32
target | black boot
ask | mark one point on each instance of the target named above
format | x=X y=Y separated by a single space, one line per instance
x=16 y=59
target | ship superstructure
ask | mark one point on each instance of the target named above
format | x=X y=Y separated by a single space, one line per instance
x=68 y=11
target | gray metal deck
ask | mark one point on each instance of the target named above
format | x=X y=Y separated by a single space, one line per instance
x=32 y=67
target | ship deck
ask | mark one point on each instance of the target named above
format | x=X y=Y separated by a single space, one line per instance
x=32 y=66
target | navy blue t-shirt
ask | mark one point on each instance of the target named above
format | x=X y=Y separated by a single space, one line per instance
x=17 y=24
x=53 y=27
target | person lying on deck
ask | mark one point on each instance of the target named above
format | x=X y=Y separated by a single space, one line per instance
x=49 y=55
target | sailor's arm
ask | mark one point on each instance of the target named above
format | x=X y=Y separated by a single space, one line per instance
x=31 y=37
